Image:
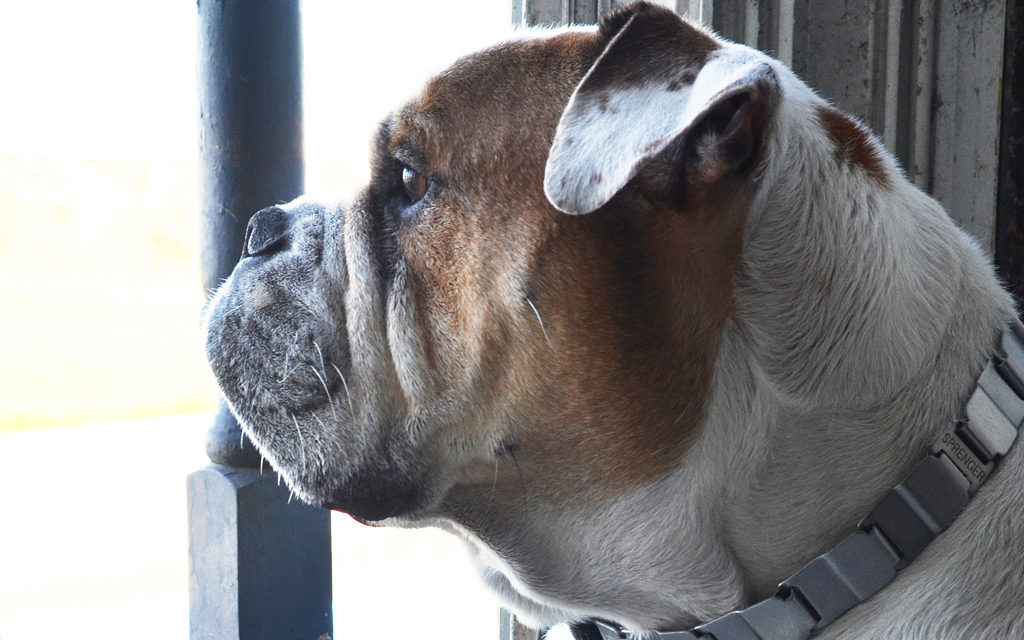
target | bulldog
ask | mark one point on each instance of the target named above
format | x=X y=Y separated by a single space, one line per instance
x=640 y=318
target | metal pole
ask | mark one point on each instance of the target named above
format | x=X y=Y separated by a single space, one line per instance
x=260 y=565
x=1010 y=211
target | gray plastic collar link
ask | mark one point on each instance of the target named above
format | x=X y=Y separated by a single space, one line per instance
x=920 y=508
x=853 y=571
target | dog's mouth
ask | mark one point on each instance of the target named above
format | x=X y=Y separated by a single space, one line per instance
x=303 y=420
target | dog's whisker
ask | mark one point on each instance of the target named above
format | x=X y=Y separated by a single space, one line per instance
x=321 y=354
x=522 y=486
x=323 y=383
x=324 y=429
x=319 y=421
x=288 y=355
x=351 y=407
x=494 y=482
x=302 y=443
x=287 y=374
x=539 y=320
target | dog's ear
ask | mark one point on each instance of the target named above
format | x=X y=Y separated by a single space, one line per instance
x=659 y=83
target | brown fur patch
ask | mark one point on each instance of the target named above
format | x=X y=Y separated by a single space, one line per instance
x=853 y=143
x=635 y=323
x=609 y=386
x=673 y=50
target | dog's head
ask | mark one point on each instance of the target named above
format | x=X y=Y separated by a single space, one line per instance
x=518 y=319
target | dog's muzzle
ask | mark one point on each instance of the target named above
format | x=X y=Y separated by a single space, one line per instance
x=278 y=342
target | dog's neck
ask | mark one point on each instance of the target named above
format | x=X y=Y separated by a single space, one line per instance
x=863 y=318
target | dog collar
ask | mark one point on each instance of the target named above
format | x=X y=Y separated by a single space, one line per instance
x=897 y=529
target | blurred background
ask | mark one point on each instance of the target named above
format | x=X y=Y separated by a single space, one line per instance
x=104 y=391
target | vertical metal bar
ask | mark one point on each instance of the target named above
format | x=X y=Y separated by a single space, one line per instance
x=251 y=119
x=516 y=11
x=768 y=27
x=259 y=566
x=726 y=18
x=706 y=8
x=877 y=34
x=969 y=71
x=250 y=146
x=701 y=11
x=786 y=12
x=543 y=12
x=1009 y=241
x=751 y=22
x=583 y=11
x=919 y=163
x=891 y=63
x=775 y=29
x=836 y=51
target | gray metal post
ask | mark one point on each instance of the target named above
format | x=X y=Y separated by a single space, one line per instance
x=260 y=565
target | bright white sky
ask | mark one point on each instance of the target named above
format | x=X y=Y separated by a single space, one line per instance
x=106 y=78
x=116 y=78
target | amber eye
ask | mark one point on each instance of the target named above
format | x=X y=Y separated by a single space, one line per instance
x=415 y=184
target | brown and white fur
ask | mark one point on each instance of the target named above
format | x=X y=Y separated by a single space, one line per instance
x=662 y=327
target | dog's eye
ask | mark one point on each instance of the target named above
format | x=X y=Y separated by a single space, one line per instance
x=415 y=184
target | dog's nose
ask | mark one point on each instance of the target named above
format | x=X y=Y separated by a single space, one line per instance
x=267 y=232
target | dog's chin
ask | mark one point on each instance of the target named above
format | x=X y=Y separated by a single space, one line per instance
x=379 y=502
x=383 y=482
x=380 y=489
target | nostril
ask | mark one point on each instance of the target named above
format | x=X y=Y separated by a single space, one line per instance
x=267 y=231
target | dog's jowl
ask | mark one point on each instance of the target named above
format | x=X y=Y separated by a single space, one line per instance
x=644 y=321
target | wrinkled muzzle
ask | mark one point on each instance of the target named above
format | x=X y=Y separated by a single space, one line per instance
x=278 y=343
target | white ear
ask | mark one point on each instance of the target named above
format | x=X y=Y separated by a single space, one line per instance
x=657 y=79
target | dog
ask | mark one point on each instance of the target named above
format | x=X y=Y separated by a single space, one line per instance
x=640 y=318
